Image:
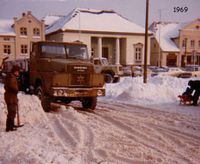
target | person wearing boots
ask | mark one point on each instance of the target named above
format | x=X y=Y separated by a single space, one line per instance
x=10 y=96
x=194 y=86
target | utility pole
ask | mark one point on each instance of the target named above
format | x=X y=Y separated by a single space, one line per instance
x=146 y=42
x=159 y=50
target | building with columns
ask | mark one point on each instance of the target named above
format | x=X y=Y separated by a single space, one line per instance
x=175 y=44
x=106 y=33
x=16 y=36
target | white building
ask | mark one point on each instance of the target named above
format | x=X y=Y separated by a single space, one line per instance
x=106 y=33
x=175 y=44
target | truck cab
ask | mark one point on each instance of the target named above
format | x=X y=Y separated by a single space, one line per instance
x=111 y=72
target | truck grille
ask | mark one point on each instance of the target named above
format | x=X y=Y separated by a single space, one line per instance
x=80 y=80
x=80 y=75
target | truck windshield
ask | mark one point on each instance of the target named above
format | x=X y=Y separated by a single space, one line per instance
x=65 y=51
x=76 y=52
x=53 y=51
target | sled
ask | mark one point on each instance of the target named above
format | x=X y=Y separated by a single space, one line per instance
x=185 y=99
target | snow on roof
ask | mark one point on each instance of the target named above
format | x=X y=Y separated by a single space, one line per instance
x=6 y=27
x=95 y=20
x=50 y=19
x=165 y=32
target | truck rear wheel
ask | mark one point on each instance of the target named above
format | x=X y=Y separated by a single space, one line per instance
x=89 y=102
x=45 y=100
x=108 y=78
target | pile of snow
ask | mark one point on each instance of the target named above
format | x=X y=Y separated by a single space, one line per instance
x=157 y=90
x=34 y=142
x=30 y=108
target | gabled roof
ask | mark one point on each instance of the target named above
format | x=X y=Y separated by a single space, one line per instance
x=95 y=20
x=6 y=27
x=164 y=32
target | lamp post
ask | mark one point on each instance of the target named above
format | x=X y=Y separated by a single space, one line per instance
x=146 y=42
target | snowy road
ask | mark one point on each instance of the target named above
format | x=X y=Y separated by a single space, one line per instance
x=121 y=133
x=158 y=130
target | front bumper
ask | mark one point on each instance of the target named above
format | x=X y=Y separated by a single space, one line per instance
x=77 y=92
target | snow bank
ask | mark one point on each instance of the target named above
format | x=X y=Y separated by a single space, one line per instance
x=30 y=109
x=157 y=90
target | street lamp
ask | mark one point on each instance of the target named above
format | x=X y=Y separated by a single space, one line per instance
x=146 y=42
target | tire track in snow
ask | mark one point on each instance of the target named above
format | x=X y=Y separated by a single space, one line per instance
x=74 y=133
x=169 y=134
x=120 y=133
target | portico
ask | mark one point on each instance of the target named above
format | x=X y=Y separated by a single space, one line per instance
x=106 y=47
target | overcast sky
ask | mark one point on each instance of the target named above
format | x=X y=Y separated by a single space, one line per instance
x=134 y=10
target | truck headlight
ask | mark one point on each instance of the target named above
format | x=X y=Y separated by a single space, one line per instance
x=99 y=92
x=60 y=92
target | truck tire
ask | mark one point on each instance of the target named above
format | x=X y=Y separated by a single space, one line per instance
x=89 y=102
x=45 y=100
x=108 y=78
x=66 y=100
x=116 y=79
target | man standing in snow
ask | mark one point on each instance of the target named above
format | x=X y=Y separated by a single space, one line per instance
x=195 y=86
x=10 y=96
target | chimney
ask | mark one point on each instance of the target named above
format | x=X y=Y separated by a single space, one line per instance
x=28 y=12
x=15 y=19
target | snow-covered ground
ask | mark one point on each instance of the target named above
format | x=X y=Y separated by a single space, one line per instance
x=134 y=123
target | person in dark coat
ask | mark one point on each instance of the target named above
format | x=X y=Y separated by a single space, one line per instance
x=10 y=96
x=194 y=86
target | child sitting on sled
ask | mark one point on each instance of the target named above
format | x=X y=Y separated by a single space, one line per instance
x=186 y=96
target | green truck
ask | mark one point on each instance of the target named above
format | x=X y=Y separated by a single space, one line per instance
x=62 y=72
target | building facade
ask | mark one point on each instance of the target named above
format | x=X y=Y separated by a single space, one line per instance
x=16 y=36
x=175 y=44
x=106 y=33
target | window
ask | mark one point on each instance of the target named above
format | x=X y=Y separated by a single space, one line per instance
x=192 y=44
x=138 y=52
x=23 y=31
x=184 y=43
x=24 y=49
x=7 y=49
x=6 y=38
x=199 y=44
x=36 y=32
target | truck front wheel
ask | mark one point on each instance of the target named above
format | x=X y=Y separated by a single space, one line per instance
x=89 y=102
x=108 y=78
x=45 y=100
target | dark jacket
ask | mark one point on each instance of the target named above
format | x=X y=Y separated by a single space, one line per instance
x=11 y=89
x=194 y=85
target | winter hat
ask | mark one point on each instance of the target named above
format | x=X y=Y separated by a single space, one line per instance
x=15 y=68
x=190 y=82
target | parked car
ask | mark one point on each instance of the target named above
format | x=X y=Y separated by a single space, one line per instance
x=176 y=72
x=139 y=71
x=136 y=71
x=127 y=71
x=194 y=69
x=156 y=70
